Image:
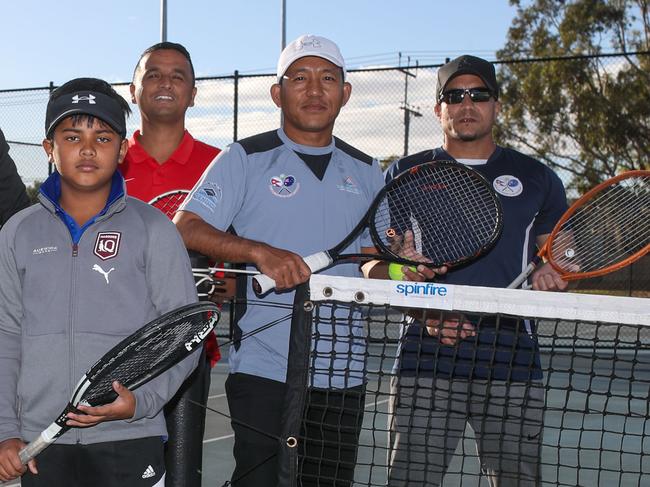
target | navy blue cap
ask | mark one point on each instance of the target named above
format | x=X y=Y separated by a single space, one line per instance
x=467 y=65
x=98 y=105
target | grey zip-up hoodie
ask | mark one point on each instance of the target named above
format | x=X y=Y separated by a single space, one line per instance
x=69 y=294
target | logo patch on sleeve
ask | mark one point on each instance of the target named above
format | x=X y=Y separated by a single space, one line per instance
x=208 y=195
x=107 y=245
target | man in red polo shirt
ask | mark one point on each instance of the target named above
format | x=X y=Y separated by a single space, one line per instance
x=163 y=157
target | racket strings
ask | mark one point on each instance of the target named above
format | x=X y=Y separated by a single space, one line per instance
x=607 y=230
x=169 y=203
x=452 y=214
x=142 y=359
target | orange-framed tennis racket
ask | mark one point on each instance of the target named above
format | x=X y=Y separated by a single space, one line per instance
x=605 y=230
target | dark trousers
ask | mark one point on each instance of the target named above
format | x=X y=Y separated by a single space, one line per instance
x=186 y=425
x=128 y=463
x=331 y=426
x=330 y=432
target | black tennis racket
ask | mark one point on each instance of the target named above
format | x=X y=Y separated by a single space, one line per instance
x=170 y=201
x=144 y=355
x=452 y=211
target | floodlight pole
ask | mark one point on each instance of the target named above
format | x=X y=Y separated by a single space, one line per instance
x=283 y=40
x=163 y=20
x=408 y=110
x=283 y=15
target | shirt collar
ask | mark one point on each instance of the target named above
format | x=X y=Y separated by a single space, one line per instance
x=181 y=155
x=305 y=149
x=50 y=193
x=51 y=189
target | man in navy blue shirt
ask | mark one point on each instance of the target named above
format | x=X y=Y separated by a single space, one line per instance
x=463 y=370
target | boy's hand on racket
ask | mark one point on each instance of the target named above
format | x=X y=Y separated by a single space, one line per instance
x=545 y=278
x=123 y=407
x=452 y=328
x=10 y=465
x=285 y=268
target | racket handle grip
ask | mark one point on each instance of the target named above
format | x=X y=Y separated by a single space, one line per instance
x=263 y=283
x=34 y=448
x=318 y=261
x=524 y=275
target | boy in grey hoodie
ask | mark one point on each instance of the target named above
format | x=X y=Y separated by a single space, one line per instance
x=78 y=273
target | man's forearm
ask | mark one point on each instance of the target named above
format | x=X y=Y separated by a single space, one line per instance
x=216 y=244
x=286 y=268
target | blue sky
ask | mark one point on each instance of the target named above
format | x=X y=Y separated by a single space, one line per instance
x=43 y=41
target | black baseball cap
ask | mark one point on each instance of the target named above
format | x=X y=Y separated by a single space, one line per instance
x=467 y=65
x=93 y=103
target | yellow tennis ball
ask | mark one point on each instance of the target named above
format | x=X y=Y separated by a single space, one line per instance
x=395 y=271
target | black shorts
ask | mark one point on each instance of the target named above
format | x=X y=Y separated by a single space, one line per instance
x=127 y=463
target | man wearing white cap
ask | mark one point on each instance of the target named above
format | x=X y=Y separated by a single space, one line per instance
x=286 y=194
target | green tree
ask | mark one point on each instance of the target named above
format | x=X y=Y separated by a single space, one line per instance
x=32 y=191
x=589 y=116
x=387 y=161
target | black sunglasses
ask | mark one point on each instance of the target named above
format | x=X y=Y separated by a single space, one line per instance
x=452 y=97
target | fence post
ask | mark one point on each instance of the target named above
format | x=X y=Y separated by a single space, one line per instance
x=235 y=106
x=50 y=166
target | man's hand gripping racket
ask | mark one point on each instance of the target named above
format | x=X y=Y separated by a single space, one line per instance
x=453 y=213
x=144 y=355
x=605 y=230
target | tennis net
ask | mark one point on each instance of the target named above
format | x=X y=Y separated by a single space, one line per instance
x=546 y=389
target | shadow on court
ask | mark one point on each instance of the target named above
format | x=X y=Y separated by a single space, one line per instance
x=579 y=441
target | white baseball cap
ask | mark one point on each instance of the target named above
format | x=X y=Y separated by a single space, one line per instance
x=309 y=45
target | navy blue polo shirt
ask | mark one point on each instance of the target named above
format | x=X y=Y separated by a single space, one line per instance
x=533 y=200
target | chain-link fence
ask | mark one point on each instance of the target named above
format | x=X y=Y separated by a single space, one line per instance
x=390 y=113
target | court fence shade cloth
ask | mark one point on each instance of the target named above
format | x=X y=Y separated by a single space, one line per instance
x=581 y=415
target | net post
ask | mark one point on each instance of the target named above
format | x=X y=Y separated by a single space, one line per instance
x=296 y=381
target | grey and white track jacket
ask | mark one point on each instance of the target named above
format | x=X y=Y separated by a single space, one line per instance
x=69 y=294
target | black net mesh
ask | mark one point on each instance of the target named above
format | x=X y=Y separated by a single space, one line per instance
x=468 y=397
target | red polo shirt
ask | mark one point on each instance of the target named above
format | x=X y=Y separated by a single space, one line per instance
x=146 y=178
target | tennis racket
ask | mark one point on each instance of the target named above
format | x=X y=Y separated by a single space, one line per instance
x=170 y=201
x=452 y=211
x=605 y=230
x=144 y=355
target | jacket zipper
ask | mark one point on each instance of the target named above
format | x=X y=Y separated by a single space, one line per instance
x=72 y=307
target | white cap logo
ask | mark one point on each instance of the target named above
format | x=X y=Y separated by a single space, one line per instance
x=309 y=45
x=90 y=99
x=507 y=185
x=315 y=43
